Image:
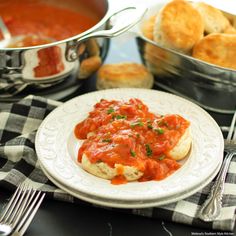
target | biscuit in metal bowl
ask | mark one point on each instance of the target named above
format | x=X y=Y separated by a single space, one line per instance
x=178 y=26
x=148 y=27
x=218 y=49
x=214 y=20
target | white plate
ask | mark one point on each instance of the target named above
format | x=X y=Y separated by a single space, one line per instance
x=130 y=204
x=57 y=147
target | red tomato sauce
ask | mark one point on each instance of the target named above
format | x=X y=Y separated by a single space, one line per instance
x=49 y=62
x=127 y=133
x=45 y=22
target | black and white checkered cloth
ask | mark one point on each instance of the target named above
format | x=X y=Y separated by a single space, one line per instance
x=18 y=163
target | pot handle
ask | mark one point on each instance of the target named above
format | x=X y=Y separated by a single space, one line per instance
x=120 y=25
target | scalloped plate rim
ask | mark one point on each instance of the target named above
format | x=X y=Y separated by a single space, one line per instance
x=100 y=94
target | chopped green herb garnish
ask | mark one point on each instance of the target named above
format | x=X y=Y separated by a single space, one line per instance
x=159 y=130
x=138 y=123
x=110 y=110
x=161 y=157
x=118 y=117
x=163 y=123
x=148 y=150
x=149 y=125
x=106 y=140
x=132 y=153
x=138 y=135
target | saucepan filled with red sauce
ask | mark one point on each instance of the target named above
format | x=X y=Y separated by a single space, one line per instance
x=51 y=39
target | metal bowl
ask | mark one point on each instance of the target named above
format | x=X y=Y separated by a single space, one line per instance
x=210 y=86
x=82 y=54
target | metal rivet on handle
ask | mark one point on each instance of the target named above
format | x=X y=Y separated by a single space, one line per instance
x=73 y=56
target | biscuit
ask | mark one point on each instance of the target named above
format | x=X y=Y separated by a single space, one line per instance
x=131 y=173
x=89 y=66
x=93 y=47
x=182 y=148
x=231 y=18
x=160 y=62
x=178 y=26
x=104 y=171
x=148 y=26
x=230 y=30
x=156 y=52
x=124 y=75
x=156 y=59
x=218 y=49
x=214 y=20
x=155 y=65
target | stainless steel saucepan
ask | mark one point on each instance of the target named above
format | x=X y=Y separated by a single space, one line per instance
x=81 y=54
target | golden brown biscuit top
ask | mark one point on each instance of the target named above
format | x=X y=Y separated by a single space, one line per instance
x=123 y=70
x=209 y=9
x=219 y=49
x=148 y=27
x=230 y=30
x=213 y=18
x=181 y=24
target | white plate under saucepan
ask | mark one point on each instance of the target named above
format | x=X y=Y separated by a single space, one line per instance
x=57 y=149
